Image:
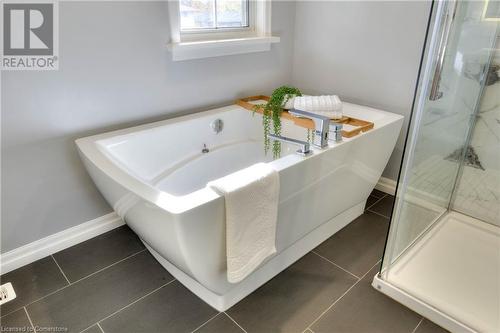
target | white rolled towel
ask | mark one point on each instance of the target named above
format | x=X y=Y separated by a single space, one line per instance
x=289 y=102
x=326 y=105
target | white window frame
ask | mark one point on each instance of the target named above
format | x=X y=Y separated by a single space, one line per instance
x=204 y=43
x=194 y=35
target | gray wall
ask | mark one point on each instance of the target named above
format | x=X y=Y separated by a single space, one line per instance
x=366 y=52
x=115 y=71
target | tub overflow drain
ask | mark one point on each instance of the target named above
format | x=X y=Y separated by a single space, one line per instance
x=217 y=125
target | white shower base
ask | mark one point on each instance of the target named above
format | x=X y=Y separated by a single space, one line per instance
x=451 y=275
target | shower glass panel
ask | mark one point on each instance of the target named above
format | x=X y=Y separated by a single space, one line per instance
x=459 y=46
x=442 y=257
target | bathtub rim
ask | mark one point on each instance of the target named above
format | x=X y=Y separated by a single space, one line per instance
x=95 y=153
x=91 y=149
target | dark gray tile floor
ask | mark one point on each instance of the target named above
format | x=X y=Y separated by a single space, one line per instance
x=383 y=206
x=359 y=246
x=93 y=329
x=294 y=298
x=220 y=324
x=97 y=253
x=379 y=313
x=112 y=284
x=16 y=321
x=172 y=308
x=32 y=282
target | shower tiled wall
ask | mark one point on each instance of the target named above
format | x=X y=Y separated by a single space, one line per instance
x=478 y=193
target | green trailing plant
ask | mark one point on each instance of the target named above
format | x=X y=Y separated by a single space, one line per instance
x=271 y=116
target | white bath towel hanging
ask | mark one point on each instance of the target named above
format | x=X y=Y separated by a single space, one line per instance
x=251 y=197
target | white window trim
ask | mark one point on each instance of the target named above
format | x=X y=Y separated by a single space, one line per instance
x=221 y=42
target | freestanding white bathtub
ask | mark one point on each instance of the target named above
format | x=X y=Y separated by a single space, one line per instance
x=155 y=176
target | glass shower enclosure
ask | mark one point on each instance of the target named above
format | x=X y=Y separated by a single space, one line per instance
x=442 y=255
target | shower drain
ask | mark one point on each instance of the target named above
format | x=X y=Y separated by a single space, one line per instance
x=471 y=157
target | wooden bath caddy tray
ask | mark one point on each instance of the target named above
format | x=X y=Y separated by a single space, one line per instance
x=360 y=125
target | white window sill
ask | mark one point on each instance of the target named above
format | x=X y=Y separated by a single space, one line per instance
x=216 y=48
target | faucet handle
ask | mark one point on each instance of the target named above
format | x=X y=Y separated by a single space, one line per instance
x=336 y=129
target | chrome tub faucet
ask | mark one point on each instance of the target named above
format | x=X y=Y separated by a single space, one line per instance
x=304 y=146
x=321 y=126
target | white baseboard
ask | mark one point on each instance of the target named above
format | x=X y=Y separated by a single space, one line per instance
x=412 y=195
x=46 y=246
x=386 y=185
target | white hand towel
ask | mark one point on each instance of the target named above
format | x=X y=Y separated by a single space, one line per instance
x=251 y=197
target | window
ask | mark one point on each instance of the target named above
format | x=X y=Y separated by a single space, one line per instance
x=212 y=28
x=213 y=14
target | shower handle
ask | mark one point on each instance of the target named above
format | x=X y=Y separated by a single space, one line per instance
x=436 y=93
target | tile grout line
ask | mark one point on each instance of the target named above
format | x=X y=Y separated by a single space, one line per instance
x=62 y=272
x=376 y=201
x=113 y=264
x=130 y=304
x=384 y=194
x=331 y=305
x=416 y=327
x=371 y=211
x=66 y=286
x=29 y=318
x=39 y=299
x=331 y=262
x=234 y=321
x=377 y=263
x=99 y=325
x=341 y=296
x=209 y=320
